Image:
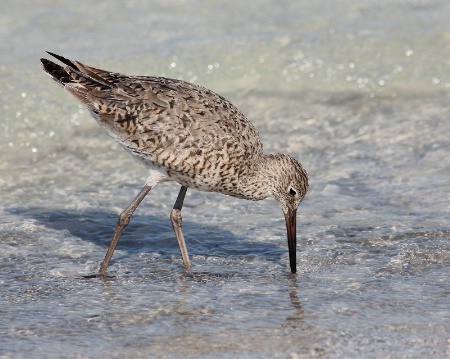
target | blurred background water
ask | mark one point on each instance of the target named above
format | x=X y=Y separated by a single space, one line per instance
x=358 y=91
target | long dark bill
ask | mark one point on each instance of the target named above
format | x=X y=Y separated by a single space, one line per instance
x=291 y=227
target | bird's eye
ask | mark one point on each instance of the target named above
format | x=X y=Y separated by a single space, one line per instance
x=292 y=192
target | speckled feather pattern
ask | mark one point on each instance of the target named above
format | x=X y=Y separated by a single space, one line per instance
x=190 y=134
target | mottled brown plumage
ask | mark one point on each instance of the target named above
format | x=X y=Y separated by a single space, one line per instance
x=185 y=133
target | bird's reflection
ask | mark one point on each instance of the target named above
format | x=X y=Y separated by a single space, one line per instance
x=295 y=319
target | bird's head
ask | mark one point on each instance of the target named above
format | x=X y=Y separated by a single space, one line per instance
x=289 y=184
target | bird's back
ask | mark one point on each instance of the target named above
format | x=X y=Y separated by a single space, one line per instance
x=197 y=136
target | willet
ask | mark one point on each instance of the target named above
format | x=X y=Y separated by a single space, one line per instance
x=184 y=133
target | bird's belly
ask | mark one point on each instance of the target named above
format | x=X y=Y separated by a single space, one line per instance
x=208 y=181
x=203 y=175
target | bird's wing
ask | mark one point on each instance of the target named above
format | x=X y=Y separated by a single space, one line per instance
x=172 y=123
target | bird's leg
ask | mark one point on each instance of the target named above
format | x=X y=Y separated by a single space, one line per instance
x=175 y=217
x=122 y=222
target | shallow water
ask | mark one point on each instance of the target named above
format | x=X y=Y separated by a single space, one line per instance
x=357 y=91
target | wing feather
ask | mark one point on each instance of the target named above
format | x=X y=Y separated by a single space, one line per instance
x=181 y=126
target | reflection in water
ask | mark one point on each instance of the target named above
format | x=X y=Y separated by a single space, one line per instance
x=294 y=319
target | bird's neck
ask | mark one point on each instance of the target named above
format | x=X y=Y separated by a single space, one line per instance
x=256 y=183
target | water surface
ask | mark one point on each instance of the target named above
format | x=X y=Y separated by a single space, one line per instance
x=357 y=91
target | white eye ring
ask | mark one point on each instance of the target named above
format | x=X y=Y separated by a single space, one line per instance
x=292 y=192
